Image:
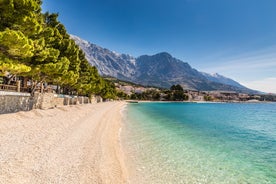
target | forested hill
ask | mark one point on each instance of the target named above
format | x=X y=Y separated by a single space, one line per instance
x=36 y=45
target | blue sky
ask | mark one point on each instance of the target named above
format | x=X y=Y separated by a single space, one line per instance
x=236 y=38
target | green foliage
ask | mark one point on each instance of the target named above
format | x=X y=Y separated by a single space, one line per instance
x=15 y=49
x=208 y=98
x=108 y=91
x=37 y=46
x=268 y=97
x=14 y=44
x=21 y=15
x=179 y=96
x=121 y=95
x=7 y=67
x=176 y=93
x=177 y=87
x=135 y=96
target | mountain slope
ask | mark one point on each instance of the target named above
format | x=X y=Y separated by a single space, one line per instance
x=163 y=70
x=167 y=70
x=160 y=70
x=221 y=79
x=108 y=63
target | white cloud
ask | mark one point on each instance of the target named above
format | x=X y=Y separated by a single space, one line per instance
x=244 y=68
x=254 y=62
x=266 y=85
x=251 y=66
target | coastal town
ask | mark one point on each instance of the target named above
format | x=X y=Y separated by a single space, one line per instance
x=16 y=94
x=134 y=91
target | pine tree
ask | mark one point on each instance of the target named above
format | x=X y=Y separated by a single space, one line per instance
x=15 y=50
x=18 y=19
x=37 y=46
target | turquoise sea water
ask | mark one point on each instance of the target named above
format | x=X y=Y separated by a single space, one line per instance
x=201 y=143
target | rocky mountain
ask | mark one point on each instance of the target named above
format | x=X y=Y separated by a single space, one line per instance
x=160 y=70
x=108 y=63
x=221 y=79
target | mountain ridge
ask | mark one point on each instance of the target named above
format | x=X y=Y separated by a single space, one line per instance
x=160 y=70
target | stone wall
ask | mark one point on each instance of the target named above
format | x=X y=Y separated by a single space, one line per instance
x=50 y=100
x=13 y=102
x=96 y=99
x=75 y=100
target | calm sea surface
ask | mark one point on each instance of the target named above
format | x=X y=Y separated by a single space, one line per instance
x=201 y=143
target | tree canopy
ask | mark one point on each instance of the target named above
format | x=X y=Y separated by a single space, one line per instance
x=36 y=45
x=177 y=87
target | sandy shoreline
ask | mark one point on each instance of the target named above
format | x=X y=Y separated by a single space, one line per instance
x=78 y=144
